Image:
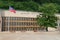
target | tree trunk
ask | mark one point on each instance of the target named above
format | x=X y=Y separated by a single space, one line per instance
x=46 y=29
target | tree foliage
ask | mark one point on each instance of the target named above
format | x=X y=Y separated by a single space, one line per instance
x=48 y=18
x=29 y=5
x=47 y=1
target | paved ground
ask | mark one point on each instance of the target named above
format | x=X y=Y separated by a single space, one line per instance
x=30 y=36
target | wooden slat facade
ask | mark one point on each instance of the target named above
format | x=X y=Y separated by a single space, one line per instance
x=19 y=24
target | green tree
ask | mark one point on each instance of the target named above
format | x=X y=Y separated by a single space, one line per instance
x=30 y=5
x=48 y=18
x=47 y=1
x=27 y=6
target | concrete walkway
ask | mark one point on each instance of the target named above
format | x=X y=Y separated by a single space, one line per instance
x=30 y=36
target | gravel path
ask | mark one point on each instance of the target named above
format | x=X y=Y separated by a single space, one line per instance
x=30 y=36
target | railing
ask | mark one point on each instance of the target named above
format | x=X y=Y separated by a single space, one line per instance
x=22 y=26
x=19 y=21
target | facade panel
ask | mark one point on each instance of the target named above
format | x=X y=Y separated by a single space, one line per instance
x=19 y=24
